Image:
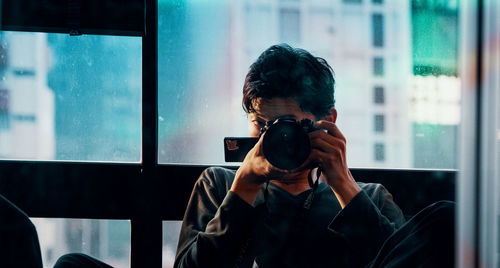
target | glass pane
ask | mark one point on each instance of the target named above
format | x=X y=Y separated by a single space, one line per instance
x=70 y=97
x=435 y=86
x=106 y=240
x=290 y=25
x=378 y=95
x=378 y=66
x=399 y=62
x=171 y=231
x=378 y=30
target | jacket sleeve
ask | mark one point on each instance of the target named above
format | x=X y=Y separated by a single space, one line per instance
x=366 y=222
x=216 y=229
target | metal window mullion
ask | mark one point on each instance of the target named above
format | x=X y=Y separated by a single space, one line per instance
x=146 y=225
x=468 y=179
x=489 y=166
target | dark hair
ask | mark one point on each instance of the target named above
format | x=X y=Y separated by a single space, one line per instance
x=285 y=72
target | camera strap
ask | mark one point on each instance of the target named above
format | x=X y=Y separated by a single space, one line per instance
x=314 y=185
x=306 y=206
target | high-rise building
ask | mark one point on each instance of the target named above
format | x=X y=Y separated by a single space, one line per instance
x=26 y=101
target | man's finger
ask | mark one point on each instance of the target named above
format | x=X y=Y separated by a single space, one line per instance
x=330 y=127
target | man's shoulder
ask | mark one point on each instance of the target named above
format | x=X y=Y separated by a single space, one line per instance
x=218 y=177
x=372 y=188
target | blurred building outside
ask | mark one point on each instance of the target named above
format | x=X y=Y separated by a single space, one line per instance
x=397 y=94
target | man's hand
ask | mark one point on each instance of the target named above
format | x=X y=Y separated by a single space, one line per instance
x=253 y=172
x=329 y=150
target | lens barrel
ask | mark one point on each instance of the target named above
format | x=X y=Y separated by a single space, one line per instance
x=286 y=143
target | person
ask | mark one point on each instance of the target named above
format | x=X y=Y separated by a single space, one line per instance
x=256 y=215
x=19 y=245
x=263 y=216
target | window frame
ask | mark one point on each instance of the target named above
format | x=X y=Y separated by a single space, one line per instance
x=148 y=193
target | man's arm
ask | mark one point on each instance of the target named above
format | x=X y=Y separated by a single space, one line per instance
x=366 y=222
x=216 y=229
x=368 y=216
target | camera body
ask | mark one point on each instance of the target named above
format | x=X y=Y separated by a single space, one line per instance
x=285 y=145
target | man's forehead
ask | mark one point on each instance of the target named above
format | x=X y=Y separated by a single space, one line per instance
x=261 y=104
x=271 y=109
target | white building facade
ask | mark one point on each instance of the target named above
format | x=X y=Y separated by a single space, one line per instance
x=28 y=130
x=368 y=45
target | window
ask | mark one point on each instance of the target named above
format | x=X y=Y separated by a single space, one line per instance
x=70 y=97
x=379 y=123
x=378 y=30
x=378 y=95
x=256 y=23
x=171 y=230
x=4 y=109
x=290 y=25
x=379 y=152
x=192 y=38
x=378 y=66
x=227 y=43
x=106 y=240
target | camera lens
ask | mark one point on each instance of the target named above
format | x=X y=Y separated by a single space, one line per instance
x=286 y=145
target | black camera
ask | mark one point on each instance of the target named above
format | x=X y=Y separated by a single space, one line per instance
x=286 y=143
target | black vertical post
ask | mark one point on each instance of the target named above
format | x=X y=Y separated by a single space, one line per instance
x=146 y=230
x=478 y=133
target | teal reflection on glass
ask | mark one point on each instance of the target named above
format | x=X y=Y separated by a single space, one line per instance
x=406 y=48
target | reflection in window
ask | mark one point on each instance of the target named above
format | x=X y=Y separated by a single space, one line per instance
x=435 y=37
x=106 y=240
x=70 y=97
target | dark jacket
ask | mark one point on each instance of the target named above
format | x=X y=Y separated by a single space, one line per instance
x=222 y=230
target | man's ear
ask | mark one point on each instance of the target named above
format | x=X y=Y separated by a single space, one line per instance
x=332 y=116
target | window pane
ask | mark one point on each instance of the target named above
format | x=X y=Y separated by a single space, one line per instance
x=378 y=30
x=206 y=47
x=379 y=152
x=378 y=95
x=379 y=120
x=290 y=25
x=171 y=231
x=106 y=240
x=70 y=97
x=378 y=66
